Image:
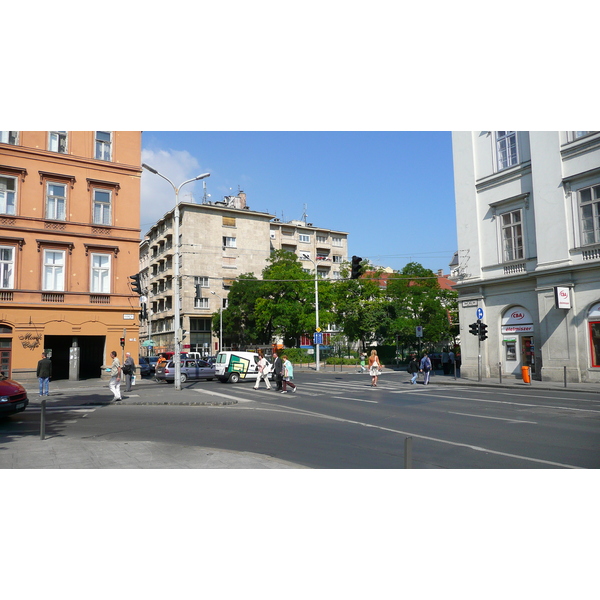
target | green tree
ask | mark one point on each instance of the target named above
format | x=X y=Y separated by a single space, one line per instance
x=360 y=307
x=415 y=298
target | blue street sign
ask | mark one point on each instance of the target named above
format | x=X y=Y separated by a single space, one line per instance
x=480 y=313
x=318 y=337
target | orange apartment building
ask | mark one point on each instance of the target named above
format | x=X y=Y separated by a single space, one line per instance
x=69 y=240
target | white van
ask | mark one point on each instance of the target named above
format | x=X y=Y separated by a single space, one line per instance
x=232 y=366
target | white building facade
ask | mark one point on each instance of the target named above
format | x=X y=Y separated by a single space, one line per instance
x=528 y=223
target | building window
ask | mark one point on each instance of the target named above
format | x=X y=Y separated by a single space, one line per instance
x=228 y=221
x=337 y=241
x=57 y=141
x=100 y=275
x=54 y=271
x=229 y=242
x=9 y=137
x=200 y=302
x=321 y=239
x=8 y=195
x=506 y=149
x=303 y=237
x=56 y=200
x=7 y=267
x=512 y=235
x=589 y=200
x=202 y=281
x=103 y=145
x=337 y=259
x=102 y=206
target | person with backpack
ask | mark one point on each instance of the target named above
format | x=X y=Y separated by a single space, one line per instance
x=413 y=368
x=425 y=368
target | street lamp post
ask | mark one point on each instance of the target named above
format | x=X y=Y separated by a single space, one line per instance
x=177 y=317
x=317 y=346
x=220 y=321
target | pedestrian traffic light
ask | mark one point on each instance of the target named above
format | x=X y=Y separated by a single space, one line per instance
x=356 y=267
x=122 y=340
x=483 y=331
x=136 y=286
x=474 y=328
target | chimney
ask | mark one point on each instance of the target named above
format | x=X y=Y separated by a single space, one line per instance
x=242 y=197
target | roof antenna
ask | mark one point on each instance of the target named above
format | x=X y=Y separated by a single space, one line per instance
x=304 y=215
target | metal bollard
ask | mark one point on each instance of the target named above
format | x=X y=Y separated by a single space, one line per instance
x=565 y=374
x=43 y=421
x=500 y=371
x=408 y=453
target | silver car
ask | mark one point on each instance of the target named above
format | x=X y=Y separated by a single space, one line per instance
x=191 y=368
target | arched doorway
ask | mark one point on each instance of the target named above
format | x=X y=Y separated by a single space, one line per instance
x=517 y=339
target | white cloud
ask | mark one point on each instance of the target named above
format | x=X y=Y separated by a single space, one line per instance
x=158 y=197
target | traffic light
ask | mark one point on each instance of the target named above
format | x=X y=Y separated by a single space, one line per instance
x=356 y=267
x=136 y=285
x=143 y=313
x=474 y=328
x=482 y=331
x=122 y=340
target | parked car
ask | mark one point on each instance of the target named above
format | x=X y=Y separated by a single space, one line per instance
x=144 y=364
x=191 y=368
x=13 y=397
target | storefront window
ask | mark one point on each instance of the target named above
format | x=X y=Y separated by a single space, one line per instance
x=595 y=342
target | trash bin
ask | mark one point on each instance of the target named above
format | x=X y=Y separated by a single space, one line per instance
x=525 y=373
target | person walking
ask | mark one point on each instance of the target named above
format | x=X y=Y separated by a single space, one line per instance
x=425 y=368
x=43 y=373
x=374 y=366
x=264 y=368
x=446 y=361
x=363 y=360
x=278 y=370
x=115 y=377
x=128 y=370
x=288 y=375
x=413 y=368
x=161 y=362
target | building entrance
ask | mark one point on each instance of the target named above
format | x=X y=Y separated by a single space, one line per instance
x=91 y=355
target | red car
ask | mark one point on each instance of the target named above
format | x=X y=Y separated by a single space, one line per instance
x=13 y=397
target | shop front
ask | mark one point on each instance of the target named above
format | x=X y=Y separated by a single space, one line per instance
x=518 y=340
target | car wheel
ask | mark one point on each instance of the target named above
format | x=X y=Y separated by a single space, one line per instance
x=234 y=378
x=183 y=378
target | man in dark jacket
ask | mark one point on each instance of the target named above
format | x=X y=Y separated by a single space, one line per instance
x=43 y=373
x=278 y=369
x=413 y=368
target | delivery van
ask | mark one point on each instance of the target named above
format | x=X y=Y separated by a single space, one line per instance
x=232 y=366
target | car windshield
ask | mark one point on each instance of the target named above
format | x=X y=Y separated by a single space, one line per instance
x=222 y=358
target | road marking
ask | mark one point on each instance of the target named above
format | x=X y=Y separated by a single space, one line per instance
x=355 y=399
x=229 y=397
x=30 y=409
x=438 y=440
x=495 y=418
x=513 y=403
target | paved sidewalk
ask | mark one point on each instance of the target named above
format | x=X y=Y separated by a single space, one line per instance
x=65 y=453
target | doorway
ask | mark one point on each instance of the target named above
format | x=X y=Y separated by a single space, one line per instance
x=528 y=352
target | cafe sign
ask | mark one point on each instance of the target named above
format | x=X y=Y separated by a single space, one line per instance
x=562 y=297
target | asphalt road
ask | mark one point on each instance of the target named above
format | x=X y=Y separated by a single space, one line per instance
x=341 y=422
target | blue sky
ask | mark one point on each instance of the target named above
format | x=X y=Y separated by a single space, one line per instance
x=392 y=192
